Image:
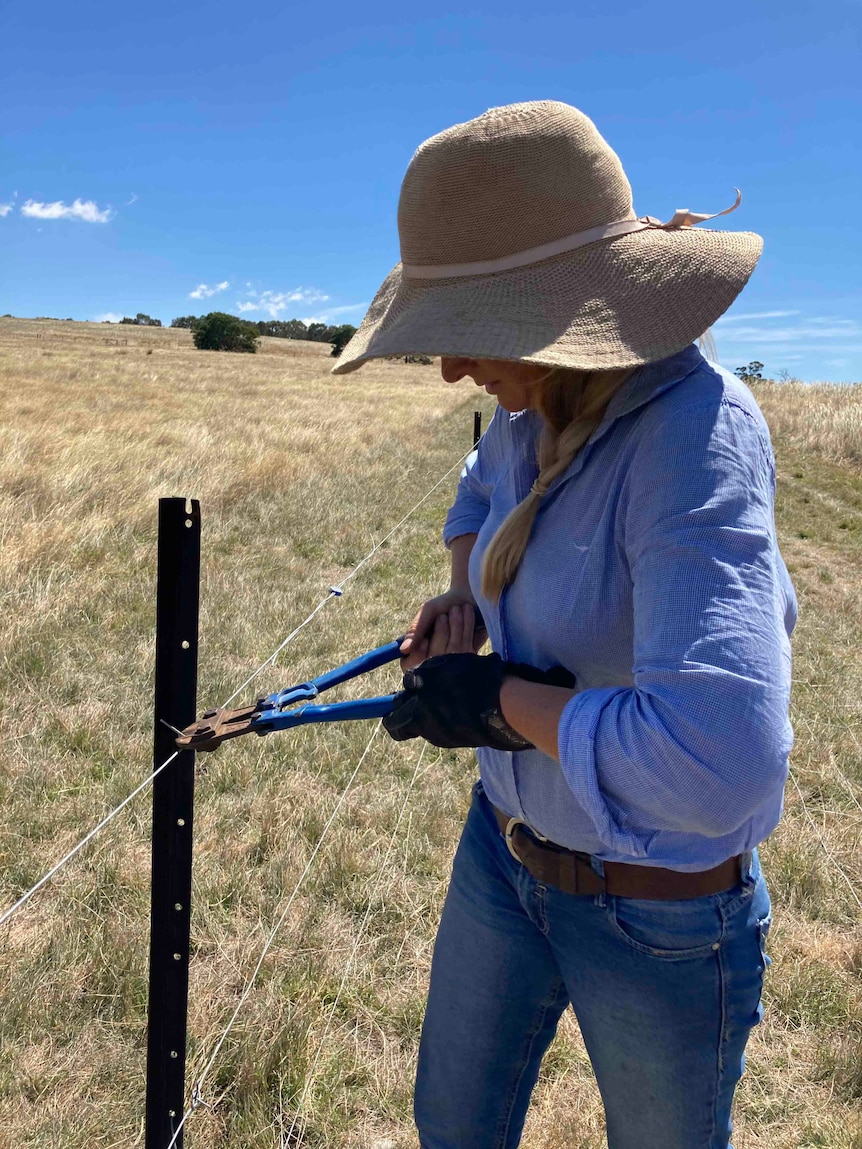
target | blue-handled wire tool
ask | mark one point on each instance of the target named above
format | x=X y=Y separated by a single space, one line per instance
x=280 y=711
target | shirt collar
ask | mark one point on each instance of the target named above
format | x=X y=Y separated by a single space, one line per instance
x=648 y=381
x=644 y=384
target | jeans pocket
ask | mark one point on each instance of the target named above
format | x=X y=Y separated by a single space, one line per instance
x=669 y=930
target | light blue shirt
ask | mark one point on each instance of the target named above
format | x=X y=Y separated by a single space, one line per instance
x=653 y=574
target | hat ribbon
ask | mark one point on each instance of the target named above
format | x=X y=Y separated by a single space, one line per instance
x=682 y=217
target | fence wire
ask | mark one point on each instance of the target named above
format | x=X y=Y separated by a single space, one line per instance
x=334 y=592
x=834 y=861
x=309 y=1079
x=197 y=1089
x=337 y=590
x=67 y=857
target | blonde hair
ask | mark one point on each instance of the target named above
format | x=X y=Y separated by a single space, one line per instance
x=572 y=404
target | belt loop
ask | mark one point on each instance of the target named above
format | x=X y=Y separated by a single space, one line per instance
x=599 y=868
x=571 y=864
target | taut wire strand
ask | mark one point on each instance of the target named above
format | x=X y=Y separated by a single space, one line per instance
x=197 y=1099
x=840 y=724
x=822 y=841
x=848 y=785
x=401 y=522
x=279 y=648
x=66 y=857
x=336 y=591
x=309 y=1080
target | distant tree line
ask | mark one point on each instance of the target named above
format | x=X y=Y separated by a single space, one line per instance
x=142 y=320
x=278 y=328
x=219 y=331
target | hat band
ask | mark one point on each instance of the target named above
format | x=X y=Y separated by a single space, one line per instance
x=523 y=258
x=682 y=218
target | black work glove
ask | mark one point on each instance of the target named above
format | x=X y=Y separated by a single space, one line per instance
x=454 y=700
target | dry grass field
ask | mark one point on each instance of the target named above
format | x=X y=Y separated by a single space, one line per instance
x=299 y=474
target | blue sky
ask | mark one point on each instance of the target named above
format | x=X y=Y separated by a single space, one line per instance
x=179 y=158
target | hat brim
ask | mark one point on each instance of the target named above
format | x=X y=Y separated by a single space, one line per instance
x=613 y=304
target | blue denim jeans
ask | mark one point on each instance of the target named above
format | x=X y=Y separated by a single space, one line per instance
x=665 y=994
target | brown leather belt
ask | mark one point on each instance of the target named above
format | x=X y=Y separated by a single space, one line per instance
x=572 y=872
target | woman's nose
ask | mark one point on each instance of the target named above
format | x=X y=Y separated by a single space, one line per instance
x=453 y=368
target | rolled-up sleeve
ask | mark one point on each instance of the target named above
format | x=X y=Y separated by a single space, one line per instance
x=700 y=741
x=473 y=497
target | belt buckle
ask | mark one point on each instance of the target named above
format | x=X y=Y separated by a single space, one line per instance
x=510 y=829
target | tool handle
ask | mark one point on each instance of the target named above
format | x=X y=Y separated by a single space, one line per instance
x=271 y=720
x=361 y=665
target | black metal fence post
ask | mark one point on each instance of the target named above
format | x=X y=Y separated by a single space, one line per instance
x=177 y=602
x=477 y=427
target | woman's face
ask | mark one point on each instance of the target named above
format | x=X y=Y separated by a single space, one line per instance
x=514 y=385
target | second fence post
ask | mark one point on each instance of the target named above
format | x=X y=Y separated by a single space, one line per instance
x=177 y=603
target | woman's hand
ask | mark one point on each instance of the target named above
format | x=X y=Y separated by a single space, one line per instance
x=446 y=624
x=455 y=700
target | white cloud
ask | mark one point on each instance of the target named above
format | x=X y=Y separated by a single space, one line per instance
x=819 y=334
x=86 y=210
x=274 y=303
x=204 y=291
x=756 y=315
x=5 y=208
x=334 y=312
x=839 y=329
x=134 y=199
x=346 y=309
x=789 y=340
x=108 y=317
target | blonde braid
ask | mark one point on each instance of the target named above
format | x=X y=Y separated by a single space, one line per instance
x=572 y=404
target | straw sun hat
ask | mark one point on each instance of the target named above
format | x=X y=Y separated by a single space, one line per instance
x=519 y=241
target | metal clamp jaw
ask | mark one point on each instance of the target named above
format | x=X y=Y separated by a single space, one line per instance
x=216 y=726
x=279 y=711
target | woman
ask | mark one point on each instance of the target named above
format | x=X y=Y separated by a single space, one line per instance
x=615 y=530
